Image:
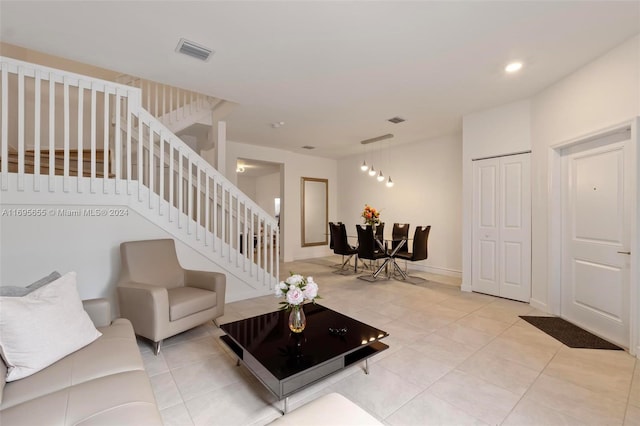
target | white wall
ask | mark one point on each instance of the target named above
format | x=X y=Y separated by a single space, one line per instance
x=247 y=184
x=295 y=167
x=267 y=189
x=28 y=55
x=261 y=189
x=498 y=131
x=32 y=247
x=601 y=94
x=427 y=191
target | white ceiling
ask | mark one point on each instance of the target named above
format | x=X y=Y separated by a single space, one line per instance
x=333 y=71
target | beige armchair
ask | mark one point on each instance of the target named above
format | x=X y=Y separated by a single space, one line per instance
x=159 y=297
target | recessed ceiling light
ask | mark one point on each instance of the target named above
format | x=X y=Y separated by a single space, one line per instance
x=513 y=67
x=396 y=120
x=277 y=124
x=309 y=147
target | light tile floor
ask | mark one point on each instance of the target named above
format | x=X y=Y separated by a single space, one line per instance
x=455 y=358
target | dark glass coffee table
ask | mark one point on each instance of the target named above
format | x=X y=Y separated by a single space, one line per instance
x=287 y=362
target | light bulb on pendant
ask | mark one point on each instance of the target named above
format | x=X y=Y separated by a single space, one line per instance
x=389 y=182
x=364 y=166
x=380 y=176
x=372 y=171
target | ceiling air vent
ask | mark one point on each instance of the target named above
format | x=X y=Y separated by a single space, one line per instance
x=194 y=50
x=396 y=120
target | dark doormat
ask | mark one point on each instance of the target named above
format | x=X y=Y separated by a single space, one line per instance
x=569 y=334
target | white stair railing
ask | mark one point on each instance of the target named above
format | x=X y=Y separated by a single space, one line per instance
x=172 y=106
x=44 y=110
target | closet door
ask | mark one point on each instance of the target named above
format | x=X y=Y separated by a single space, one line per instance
x=486 y=205
x=515 y=227
x=501 y=262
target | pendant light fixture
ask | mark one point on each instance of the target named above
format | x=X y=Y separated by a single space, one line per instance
x=370 y=169
x=389 y=183
x=364 y=167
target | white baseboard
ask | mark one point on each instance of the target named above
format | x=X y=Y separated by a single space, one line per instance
x=436 y=270
x=538 y=305
x=466 y=287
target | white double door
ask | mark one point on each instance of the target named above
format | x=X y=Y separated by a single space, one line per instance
x=596 y=211
x=501 y=260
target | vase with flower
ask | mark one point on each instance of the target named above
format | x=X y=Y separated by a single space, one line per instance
x=296 y=290
x=371 y=216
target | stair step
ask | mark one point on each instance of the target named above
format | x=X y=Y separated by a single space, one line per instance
x=29 y=163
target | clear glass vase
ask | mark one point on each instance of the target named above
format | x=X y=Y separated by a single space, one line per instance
x=297 y=319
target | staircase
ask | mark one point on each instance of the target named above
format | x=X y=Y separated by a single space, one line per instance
x=29 y=162
x=71 y=139
x=174 y=107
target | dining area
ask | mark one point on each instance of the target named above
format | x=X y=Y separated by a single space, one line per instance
x=376 y=251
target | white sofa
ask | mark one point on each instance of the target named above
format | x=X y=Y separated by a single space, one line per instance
x=104 y=383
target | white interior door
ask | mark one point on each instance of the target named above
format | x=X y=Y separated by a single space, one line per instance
x=501 y=262
x=486 y=181
x=515 y=227
x=596 y=238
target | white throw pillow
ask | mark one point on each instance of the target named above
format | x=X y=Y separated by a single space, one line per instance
x=43 y=327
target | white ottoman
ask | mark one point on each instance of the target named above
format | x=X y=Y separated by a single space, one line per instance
x=328 y=410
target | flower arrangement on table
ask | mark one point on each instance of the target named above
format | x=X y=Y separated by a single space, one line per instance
x=296 y=290
x=370 y=215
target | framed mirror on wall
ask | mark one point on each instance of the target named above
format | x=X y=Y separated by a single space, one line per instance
x=315 y=211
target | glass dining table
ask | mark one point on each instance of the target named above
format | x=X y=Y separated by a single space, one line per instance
x=390 y=265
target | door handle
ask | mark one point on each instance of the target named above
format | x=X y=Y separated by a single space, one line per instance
x=624 y=252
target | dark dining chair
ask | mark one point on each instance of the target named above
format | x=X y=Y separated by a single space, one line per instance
x=400 y=231
x=331 y=242
x=420 y=243
x=341 y=245
x=331 y=234
x=368 y=248
x=380 y=232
